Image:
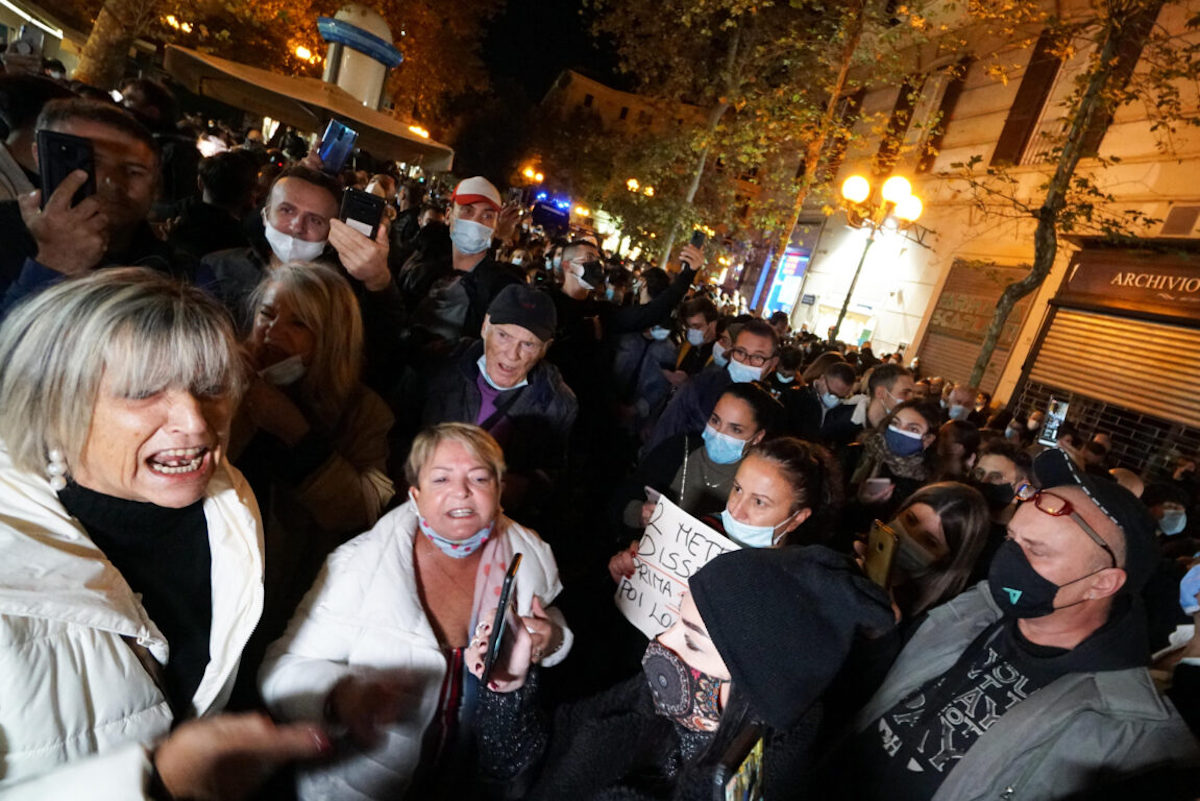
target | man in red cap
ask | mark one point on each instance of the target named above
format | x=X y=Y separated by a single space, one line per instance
x=458 y=292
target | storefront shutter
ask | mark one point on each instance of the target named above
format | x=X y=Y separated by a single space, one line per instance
x=1145 y=366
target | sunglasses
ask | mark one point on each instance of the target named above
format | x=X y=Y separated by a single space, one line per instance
x=1058 y=506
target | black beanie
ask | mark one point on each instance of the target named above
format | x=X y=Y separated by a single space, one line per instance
x=784 y=620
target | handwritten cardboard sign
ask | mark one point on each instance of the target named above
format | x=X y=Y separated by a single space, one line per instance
x=673 y=547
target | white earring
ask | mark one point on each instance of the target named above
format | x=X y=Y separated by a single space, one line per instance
x=57 y=470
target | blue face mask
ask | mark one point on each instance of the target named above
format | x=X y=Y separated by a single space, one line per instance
x=658 y=333
x=1173 y=521
x=719 y=357
x=749 y=536
x=695 y=337
x=722 y=448
x=1012 y=432
x=784 y=379
x=959 y=411
x=829 y=400
x=743 y=373
x=457 y=549
x=901 y=442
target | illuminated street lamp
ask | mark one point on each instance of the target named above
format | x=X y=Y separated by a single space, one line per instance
x=896 y=200
x=303 y=53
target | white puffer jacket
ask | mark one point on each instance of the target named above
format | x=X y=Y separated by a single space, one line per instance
x=73 y=634
x=364 y=615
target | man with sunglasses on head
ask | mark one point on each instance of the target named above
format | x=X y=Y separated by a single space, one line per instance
x=1034 y=683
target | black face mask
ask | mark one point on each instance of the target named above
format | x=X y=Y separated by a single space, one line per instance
x=997 y=496
x=1018 y=589
x=593 y=274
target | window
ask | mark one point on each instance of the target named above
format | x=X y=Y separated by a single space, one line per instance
x=587 y=101
x=624 y=112
x=940 y=97
x=1027 y=106
x=898 y=122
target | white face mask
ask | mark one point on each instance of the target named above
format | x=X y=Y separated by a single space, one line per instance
x=743 y=373
x=288 y=248
x=470 y=237
x=285 y=372
x=718 y=355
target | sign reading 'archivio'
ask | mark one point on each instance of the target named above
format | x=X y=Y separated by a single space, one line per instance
x=1162 y=283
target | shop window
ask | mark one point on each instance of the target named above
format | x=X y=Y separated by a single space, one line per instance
x=587 y=101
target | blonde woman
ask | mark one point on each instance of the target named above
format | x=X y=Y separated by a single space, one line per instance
x=310 y=437
x=377 y=646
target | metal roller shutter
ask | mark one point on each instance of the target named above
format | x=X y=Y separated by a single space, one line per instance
x=953 y=358
x=1148 y=367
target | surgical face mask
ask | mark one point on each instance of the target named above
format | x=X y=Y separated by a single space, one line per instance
x=958 y=411
x=659 y=333
x=592 y=274
x=784 y=379
x=718 y=355
x=285 y=372
x=481 y=363
x=1018 y=589
x=289 y=248
x=681 y=692
x=829 y=400
x=1173 y=521
x=1012 y=432
x=722 y=448
x=743 y=373
x=516 y=261
x=914 y=558
x=749 y=536
x=556 y=262
x=695 y=337
x=610 y=294
x=903 y=443
x=456 y=549
x=470 y=237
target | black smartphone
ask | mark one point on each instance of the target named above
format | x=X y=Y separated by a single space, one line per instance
x=362 y=211
x=740 y=772
x=496 y=638
x=59 y=155
x=698 y=239
x=336 y=144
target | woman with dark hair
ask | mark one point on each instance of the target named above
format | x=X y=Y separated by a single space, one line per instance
x=957 y=448
x=782 y=495
x=894 y=460
x=942 y=530
x=759 y=636
x=695 y=470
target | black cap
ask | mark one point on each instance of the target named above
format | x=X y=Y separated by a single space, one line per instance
x=1055 y=468
x=520 y=305
x=784 y=619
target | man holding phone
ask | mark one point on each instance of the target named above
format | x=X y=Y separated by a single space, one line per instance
x=45 y=241
x=300 y=223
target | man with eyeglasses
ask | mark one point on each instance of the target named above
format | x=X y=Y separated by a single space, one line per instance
x=754 y=354
x=1034 y=683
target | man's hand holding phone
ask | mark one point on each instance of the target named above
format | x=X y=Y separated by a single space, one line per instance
x=71 y=239
x=363 y=257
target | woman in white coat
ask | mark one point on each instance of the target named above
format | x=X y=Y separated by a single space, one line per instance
x=376 y=647
x=131 y=568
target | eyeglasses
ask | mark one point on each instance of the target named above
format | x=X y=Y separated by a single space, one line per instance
x=1058 y=506
x=752 y=359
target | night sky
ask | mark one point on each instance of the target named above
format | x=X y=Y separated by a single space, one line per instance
x=532 y=41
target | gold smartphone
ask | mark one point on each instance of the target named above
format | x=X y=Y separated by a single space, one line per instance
x=881 y=551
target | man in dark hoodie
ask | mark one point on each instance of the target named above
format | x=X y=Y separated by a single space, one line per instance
x=1033 y=684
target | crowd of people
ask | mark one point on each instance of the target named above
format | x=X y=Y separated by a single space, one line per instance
x=262 y=477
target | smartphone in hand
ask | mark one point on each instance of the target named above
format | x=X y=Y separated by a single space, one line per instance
x=698 y=239
x=497 y=639
x=59 y=155
x=881 y=552
x=336 y=144
x=362 y=211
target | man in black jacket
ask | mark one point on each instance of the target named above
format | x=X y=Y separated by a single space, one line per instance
x=45 y=245
x=504 y=385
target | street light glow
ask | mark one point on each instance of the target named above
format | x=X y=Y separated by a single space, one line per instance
x=896 y=188
x=539 y=177
x=419 y=131
x=303 y=53
x=582 y=211
x=632 y=184
x=648 y=191
x=909 y=208
x=856 y=189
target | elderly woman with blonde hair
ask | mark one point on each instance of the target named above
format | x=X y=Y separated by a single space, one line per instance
x=310 y=437
x=377 y=645
x=132 y=569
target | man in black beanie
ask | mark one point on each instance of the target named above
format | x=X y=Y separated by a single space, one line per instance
x=1034 y=683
